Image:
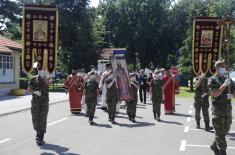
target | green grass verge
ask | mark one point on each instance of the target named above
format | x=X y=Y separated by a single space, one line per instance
x=58 y=87
x=185 y=92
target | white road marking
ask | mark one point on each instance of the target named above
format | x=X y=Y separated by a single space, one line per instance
x=5 y=140
x=233 y=120
x=194 y=129
x=52 y=123
x=206 y=146
x=191 y=106
x=188 y=119
x=183 y=145
x=186 y=128
x=231 y=132
x=190 y=111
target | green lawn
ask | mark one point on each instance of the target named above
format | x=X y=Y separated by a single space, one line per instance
x=58 y=87
x=185 y=92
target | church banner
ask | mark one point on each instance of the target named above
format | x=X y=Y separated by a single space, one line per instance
x=207 y=37
x=40 y=37
x=121 y=74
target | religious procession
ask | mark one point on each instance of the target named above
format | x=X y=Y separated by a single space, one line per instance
x=122 y=77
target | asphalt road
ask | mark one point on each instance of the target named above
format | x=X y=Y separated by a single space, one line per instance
x=72 y=135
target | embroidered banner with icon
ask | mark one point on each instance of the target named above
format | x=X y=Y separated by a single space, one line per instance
x=207 y=36
x=40 y=37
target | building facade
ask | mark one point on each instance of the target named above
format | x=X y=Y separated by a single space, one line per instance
x=10 y=54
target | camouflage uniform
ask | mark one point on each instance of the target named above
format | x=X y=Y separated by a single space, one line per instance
x=202 y=102
x=40 y=104
x=131 y=105
x=156 y=86
x=112 y=100
x=221 y=110
x=91 y=87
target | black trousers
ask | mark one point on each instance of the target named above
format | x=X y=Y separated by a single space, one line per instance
x=142 y=92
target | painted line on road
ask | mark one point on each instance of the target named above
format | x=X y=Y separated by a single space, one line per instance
x=52 y=123
x=186 y=128
x=5 y=140
x=191 y=106
x=183 y=145
x=188 y=119
x=205 y=146
x=190 y=112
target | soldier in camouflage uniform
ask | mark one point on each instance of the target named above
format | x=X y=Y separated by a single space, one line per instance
x=91 y=93
x=221 y=107
x=131 y=104
x=39 y=87
x=156 y=88
x=111 y=96
x=201 y=101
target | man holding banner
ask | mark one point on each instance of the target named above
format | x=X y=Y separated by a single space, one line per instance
x=74 y=86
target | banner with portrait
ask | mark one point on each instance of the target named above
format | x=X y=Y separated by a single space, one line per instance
x=40 y=37
x=207 y=37
x=121 y=74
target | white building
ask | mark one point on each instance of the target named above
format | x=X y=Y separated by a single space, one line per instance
x=10 y=52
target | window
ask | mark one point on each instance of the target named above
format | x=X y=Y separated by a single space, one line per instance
x=6 y=62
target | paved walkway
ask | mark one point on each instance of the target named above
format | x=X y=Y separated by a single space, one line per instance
x=12 y=104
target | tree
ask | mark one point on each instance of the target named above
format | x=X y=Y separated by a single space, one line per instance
x=10 y=19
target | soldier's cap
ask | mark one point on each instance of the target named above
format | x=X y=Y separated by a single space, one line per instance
x=219 y=63
x=162 y=69
x=108 y=65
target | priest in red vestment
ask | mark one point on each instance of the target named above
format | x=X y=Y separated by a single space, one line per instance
x=74 y=86
x=170 y=88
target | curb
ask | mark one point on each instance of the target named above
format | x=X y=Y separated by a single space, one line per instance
x=28 y=108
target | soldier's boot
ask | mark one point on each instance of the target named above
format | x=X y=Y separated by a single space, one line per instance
x=215 y=149
x=91 y=120
x=222 y=152
x=158 y=118
x=113 y=120
x=40 y=140
x=129 y=116
x=133 y=119
x=104 y=108
x=198 y=125
x=154 y=115
x=109 y=117
x=208 y=127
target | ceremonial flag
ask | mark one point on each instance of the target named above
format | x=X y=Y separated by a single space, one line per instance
x=40 y=37
x=207 y=37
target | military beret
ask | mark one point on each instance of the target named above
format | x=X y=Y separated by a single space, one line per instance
x=219 y=62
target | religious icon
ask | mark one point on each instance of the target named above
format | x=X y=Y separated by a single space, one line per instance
x=122 y=78
x=206 y=38
x=40 y=30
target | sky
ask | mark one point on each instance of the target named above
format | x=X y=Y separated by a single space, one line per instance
x=94 y=3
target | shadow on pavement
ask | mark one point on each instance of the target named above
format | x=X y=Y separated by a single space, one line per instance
x=171 y=122
x=134 y=125
x=141 y=107
x=57 y=149
x=102 y=125
x=178 y=114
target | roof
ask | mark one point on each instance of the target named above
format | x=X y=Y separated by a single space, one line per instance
x=9 y=46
